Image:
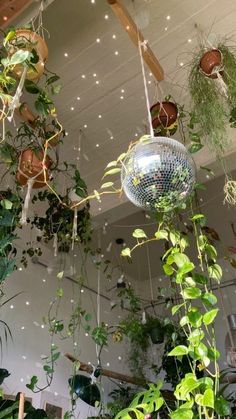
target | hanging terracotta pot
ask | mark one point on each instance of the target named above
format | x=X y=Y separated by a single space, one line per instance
x=26 y=115
x=30 y=166
x=210 y=62
x=164 y=114
x=37 y=43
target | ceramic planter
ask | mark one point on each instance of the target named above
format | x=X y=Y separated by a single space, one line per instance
x=210 y=62
x=38 y=44
x=26 y=115
x=84 y=389
x=30 y=166
x=163 y=114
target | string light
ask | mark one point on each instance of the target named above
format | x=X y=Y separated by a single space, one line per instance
x=78 y=98
x=22 y=327
x=122 y=97
x=44 y=280
x=20 y=269
x=97 y=82
x=106 y=17
x=83 y=76
x=72 y=108
x=189 y=40
x=99 y=116
x=85 y=125
x=11 y=306
x=42 y=326
x=97 y=145
x=82 y=290
x=116 y=53
x=94 y=75
x=168 y=17
x=27 y=303
x=114 y=36
x=65 y=54
x=98 y=40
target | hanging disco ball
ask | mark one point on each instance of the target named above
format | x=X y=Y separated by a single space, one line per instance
x=158 y=174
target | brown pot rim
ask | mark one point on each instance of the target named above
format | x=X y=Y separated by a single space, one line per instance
x=44 y=48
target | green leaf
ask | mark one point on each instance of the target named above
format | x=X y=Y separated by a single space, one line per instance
x=215 y=272
x=191 y=293
x=31 y=87
x=184 y=321
x=180 y=259
x=107 y=185
x=60 y=275
x=208 y=398
x=222 y=406
x=179 y=351
x=19 y=57
x=168 y=269
x=52 y=79
x=200 y=279
x=6 y=268
x=9 y=37
x=112 y=171
x=97 y=196
x=111 y=164
x=121 y=157
x=209 y=299
x=5 y=203
x=174 y=237
x=161 y=234
x=195 y=317
x=139 y=234
x=211 y=251
x=194 y=148
x=209 y=317
x=176 y=308
x=126 y=252
x=9 y=411
x=60 y=292
x=33 y=382
x=181 y=414
x=197 y=217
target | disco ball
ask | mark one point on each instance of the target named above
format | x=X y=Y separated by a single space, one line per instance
x=158 y=174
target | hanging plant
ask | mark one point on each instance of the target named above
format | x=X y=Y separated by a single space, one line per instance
x=212 y=85
x=27 y=40
x=164 y=117
x=32 y=168
x=58 y=221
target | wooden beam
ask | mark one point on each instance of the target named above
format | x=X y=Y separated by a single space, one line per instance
x=168 y=395
x=107 y=373
x=10 y=9
x=136 y=36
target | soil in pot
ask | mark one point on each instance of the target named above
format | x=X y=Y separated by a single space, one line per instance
x=33 y=42
x=210 y=62
x=163 y=114
x=157 y=335
x=30 y=166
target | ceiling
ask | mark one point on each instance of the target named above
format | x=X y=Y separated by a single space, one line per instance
x=102 y=93
x=102 y=88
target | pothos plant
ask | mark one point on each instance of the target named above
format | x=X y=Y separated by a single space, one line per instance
x=195 y=397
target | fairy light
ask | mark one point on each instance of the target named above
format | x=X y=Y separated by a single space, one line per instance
x=82 y=291
x=72 y=108
x=78 y=98
x=116 y=53
x=106 y=17
x=22 y=327
x=97 y=145
x=114 y=36
x=27 y=303
x=94 y=75
x=97 y=81
x=166 y=29
x=44 y=280
x=99 y=116
x=122 y=91
x=189 y=40
x=11 y=306
x=181 y=64
x=24 y=357
x=122 y=97
x=168 y=17
x=42 y=326
x=83 y=76
x=85 y=125
x=5 y=18
x=65 y=54
x=98 y=40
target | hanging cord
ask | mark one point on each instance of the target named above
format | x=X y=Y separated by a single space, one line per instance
x=55 y=244
x=23 y=219
x=16 y=99
x=144 y=46
x=98 y=351
x=74 y=201
x=149 y=272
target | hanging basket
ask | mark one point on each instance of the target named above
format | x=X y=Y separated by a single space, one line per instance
x=211 y=63
x=30 y=166
x=163 y=114
x=83 y=387
x=37 y=43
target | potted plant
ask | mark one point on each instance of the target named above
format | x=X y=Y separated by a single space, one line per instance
x=212 y=85
x=58 y=220
x=164 y=117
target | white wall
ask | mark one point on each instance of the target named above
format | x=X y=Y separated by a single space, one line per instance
x=31 y=341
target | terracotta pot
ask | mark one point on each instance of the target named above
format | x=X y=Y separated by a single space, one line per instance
x=209 y=63
x=163 y=113
x=26 y=115
x=31 y=166
x=40 y=47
